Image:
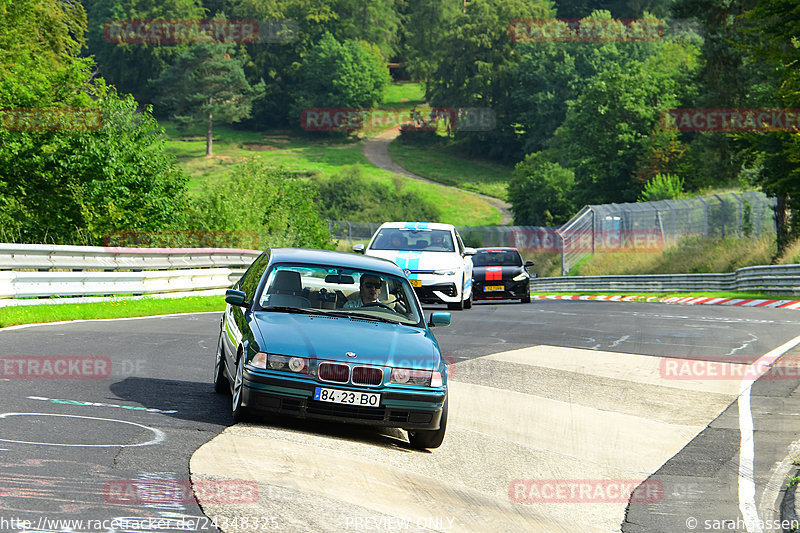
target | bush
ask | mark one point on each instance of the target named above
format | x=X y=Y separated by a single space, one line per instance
x=253 y=197
x=350 y=196
x=69 y=187
x=541 y=192
x=662 y=187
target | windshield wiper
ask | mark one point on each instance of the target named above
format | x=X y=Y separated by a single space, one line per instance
x=351 y=314
x=289 y=309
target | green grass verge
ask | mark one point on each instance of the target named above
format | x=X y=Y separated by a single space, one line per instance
x=444 y=163
x=31 y=314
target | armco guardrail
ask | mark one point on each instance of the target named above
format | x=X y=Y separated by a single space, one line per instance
x=38 y=284
x=92 y=270
x=52 y=256
x=784 y=279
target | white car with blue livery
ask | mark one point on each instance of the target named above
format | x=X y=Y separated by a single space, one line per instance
x=432 y=255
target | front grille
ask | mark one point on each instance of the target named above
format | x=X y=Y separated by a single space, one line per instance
x=448 y=289
x=367 y=375
x=398 y=416
x=349 y=411
x=335 y=372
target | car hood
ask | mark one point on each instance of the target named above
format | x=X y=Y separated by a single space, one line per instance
x=418 y=260
x=331 y=338
x=489 y=273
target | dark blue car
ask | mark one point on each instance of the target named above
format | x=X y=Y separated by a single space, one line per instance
x=333 y=336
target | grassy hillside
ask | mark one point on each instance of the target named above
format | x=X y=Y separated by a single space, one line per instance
x=315 y=155
x=445 y=163
x=690 y=255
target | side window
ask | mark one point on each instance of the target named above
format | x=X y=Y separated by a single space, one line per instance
x=249 y=282
x=460 y=244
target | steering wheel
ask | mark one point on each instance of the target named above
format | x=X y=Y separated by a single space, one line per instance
x=380 y=304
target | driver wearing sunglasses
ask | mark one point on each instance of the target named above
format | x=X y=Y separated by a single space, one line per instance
x=370 y=286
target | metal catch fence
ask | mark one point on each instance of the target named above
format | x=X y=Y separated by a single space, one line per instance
x=640 y=226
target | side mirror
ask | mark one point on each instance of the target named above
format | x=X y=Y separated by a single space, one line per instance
x=358 y=248
x=470 y=251
x=235 y=297
x=439 y=319
x=528 y=264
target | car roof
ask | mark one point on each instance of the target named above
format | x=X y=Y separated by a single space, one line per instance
x=417 y=225
x=329 y=257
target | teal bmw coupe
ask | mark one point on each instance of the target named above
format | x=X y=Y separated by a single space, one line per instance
x=332 y=336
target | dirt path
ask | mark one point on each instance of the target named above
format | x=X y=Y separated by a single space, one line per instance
x=376 y=149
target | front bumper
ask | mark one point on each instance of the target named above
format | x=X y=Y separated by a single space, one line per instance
x=515 y=290
x=436 y=289
x=292 y=396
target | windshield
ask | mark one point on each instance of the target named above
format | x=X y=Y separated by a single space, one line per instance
x=428 y=240
x=332 y=290
x=496 y=258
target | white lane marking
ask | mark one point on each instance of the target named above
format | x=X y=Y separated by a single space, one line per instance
x=753 y=338
x=159 y=435
x=620 y=341
x=747 y=485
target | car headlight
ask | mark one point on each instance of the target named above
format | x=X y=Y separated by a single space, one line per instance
x=298 y=365
x=445 y=272
x=407 y=376
x=521 y=277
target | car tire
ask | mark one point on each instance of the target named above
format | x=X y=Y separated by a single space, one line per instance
x=468 y=303
x=221 y=383
x=527 y=298
x=240 y=413
x=424 y=439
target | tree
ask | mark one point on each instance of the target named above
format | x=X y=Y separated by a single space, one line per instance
x=334 y=74
x=425 y=27
x=374 y=21
x=75 y=185
x=541 y=192
x=615 y=121
x=475 y=69
x=772 y=31
x=726 y=78
x=205 y=84
x=63 y=187
x=39 y=44
x=129 y=66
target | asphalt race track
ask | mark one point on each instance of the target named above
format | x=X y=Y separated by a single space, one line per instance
x=559 y=409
